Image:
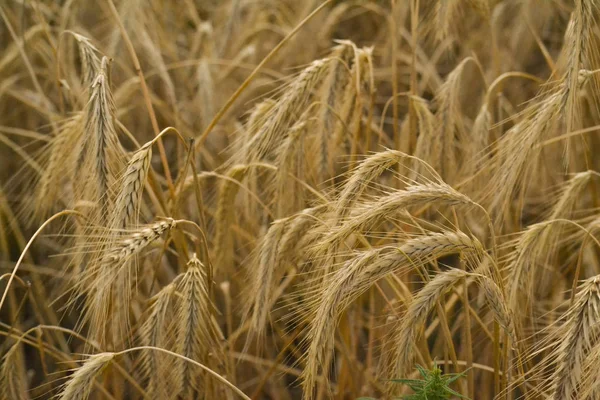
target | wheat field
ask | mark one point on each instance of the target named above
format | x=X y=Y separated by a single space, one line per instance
x=299 y=199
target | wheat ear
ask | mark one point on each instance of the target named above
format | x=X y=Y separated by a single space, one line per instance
x=291 y=104
x=360 y=273
x=12 y=385
x=79 y=386
x=195 y=337
x=127 y=204
x=156 y=332
x=109 y=284
x=369 y=214
x=575 y=340
x=330 y=97
x=101 y=157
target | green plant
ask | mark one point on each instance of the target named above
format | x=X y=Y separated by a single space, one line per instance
x=433 y=386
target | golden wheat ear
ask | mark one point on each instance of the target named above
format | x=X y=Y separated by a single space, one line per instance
x=290 y=170
x=365 y=174
x=356 y=276
x=196 y=336
x=101 y=157
x=292 y=103
x=531 y=248
x=330 y=96
x=418 y=310
x=129 y=197
x=158 y=330
x=109 y=283
x=266 y=266
x=450 y=127
x=282 y=245
x=90 y=62
x=368 y=214
x=12 y=384
x=347 y=126
x=428 y=147
x=54 y=187
x=575 y=339
x=79 y=386
x=224 y=217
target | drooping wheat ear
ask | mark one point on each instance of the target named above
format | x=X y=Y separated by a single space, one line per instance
x=224 y=216
x=563 y=207
x=428 y=147
x=479 y=141
x=482 y=7
x=518 y=147
x=258 y=116
x=57 y=176
x=11 y=51
x=301 y=229
x=532 y=245
x=90 y=63
x=522 y=263
x=205 y=96
x=449 y=122
x=278 y=246
x=414 y=319
x=578 y=50
x=445 y=13
x=369 y=214
x=330 y=97
x=406 y=331
x=356 y=276
x=575 y=339
x=570 y=194
x=109 y=281
x=12 y=384
x=268 y=260
x=127 y=205
x=79 y=386
x=498 y=304
x=361 y=177
x=289 y=106
x=101 y=157
x=290 y=168
x=348 y=124
x=195 y=334
x=155 y=57
x=158 y=331
x=590 y=385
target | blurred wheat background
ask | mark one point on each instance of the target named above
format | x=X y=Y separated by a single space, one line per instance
x=285 y=199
